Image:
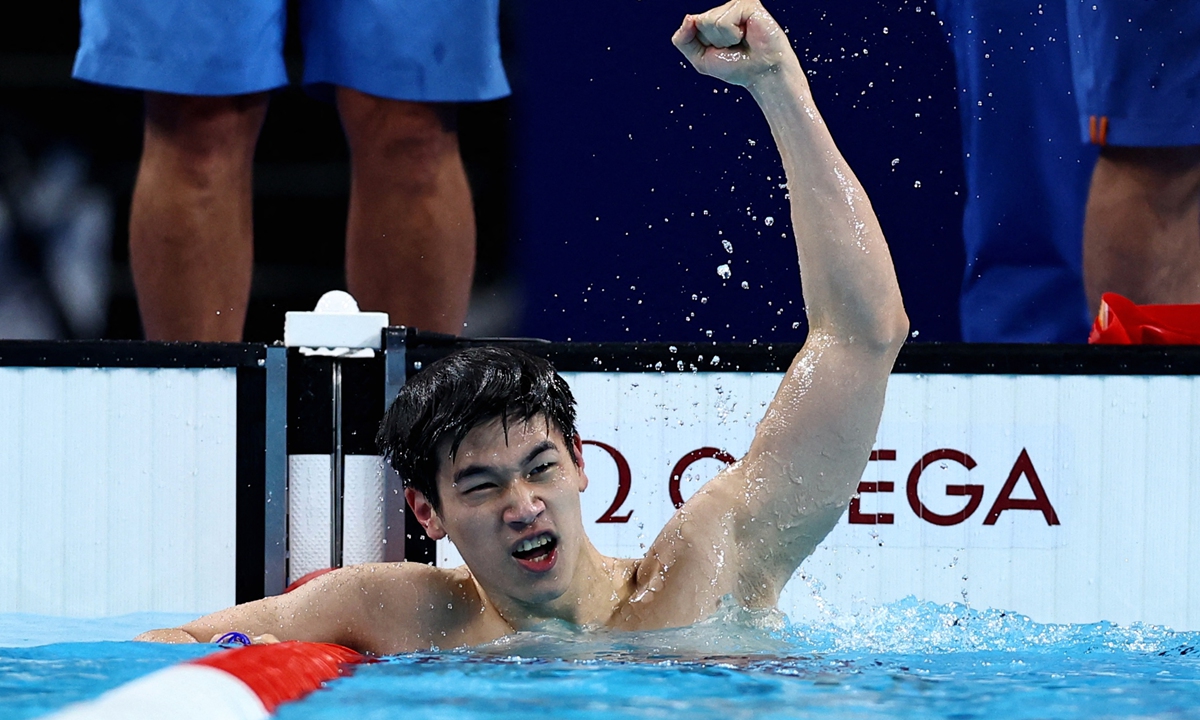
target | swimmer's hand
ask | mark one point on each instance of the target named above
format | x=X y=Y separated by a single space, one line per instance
x=738 y=42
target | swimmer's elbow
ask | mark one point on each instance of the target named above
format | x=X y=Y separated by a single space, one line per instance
x=886 y=332
x=879 y=334
x=895 y=329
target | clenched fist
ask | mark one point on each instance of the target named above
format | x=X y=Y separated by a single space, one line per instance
x=738 y=42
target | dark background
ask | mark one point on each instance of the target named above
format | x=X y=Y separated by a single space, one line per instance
x=605 y=123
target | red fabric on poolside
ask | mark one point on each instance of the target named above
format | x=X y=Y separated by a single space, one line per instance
x=1121 y=322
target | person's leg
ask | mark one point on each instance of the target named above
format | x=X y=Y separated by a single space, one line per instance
x=190 y=233
x=410 y=235
x=1142 y=231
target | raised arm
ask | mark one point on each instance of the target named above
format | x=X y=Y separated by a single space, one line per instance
x=809 y=452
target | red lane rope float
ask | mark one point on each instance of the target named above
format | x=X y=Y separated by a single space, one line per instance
x=306 y=578
x=284 y=671
x=246 y=683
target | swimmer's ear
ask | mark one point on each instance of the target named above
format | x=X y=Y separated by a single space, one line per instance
x=583 y=478
x=425 y=514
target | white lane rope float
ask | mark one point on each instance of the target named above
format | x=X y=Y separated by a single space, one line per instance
x=243 y=683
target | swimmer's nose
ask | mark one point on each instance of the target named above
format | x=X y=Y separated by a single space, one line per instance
x=524 y=507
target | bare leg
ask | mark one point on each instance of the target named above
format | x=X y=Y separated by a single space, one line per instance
x=1142 y=229
x=190 y=232
x=410 y=236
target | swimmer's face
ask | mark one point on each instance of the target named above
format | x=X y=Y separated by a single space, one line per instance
x=511 y=506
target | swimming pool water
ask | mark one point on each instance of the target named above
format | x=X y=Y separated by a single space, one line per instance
x=907 y=659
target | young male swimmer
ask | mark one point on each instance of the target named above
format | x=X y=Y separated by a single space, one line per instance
x=486 y=443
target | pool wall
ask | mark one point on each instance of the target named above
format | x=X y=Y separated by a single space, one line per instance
x=1053 y=481
x=97 y=498
x=120 y=466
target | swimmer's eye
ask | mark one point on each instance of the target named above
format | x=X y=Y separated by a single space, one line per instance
x=480 y=486
x=543 y=468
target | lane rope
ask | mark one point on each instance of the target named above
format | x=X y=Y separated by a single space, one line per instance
x=243 y=683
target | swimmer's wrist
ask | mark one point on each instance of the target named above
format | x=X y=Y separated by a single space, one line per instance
x=172 y=636
x=785 y=77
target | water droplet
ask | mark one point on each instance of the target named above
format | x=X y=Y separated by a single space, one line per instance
x=895 y=162
x=728 y=247
x=745 y=285
x=724 y=271
x=917 y=184
x=769 y=221
x=417 y=365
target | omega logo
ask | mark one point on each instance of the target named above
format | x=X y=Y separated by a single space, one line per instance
x=1023 y=467
x=1004 y=501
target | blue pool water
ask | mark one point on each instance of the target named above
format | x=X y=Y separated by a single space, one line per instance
x=907 y=659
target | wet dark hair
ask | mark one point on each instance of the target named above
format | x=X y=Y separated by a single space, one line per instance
x=461 y=392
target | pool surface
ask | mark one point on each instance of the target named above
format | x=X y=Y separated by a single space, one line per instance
x=907 y=659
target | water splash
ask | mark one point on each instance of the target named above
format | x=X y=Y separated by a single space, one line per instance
x=731 y=630
x=910 y=626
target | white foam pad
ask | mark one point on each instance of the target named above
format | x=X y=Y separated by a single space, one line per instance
x=180 y=692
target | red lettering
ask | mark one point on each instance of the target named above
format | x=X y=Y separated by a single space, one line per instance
x=857 y=516
x=975 y=492
x=686 y=461
x=1005 y=501
x=624 y=480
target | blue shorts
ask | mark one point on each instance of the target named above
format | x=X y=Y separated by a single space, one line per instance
x=1027 y=174
x=1137 y=71
x=421 y=50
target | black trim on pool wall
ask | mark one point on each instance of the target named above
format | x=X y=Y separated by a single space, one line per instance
x=424 y=348
x=129 y=354
x=250 y=496
x=931 y=358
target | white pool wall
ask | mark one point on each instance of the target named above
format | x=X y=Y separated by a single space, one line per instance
x=117 y=490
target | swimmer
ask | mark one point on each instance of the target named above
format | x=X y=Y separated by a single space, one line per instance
x=486 y=442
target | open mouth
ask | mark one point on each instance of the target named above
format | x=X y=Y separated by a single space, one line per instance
x=537 y=553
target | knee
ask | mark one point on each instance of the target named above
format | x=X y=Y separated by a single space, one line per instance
x=204 y=136
x=402 y=144
x=1167 y=178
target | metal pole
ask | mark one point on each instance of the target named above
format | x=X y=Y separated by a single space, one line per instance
x=337 y=472
x=395 y=375
x=275 y=529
